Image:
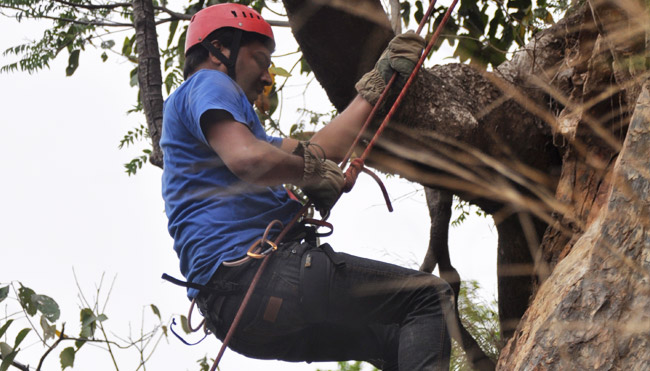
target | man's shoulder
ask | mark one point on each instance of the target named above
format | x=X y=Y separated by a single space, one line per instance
x=213 y=79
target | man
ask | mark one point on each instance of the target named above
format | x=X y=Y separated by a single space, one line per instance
x=222 y=186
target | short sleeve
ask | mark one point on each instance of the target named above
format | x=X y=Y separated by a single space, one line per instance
x=213 y=90
x=276 y=141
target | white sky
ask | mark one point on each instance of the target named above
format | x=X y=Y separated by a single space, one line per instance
x=67 y=203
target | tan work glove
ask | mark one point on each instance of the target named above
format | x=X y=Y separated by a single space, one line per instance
x=322 y=179
x=401 y=56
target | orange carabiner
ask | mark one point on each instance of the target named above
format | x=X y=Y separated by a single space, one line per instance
x=256 y=245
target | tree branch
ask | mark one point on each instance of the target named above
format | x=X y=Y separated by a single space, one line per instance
x=174 y=14
x=187 y=17
x=93 y=6
x=17 y=365
x=56 y=343
x=89 y=23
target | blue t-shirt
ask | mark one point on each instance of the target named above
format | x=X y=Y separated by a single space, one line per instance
x=213 y=215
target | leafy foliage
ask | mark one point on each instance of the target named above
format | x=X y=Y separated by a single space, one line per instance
x=480 y=317
x=484 y=31
x=465 y=209
x=52 y=332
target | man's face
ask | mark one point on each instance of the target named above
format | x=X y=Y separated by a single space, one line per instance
x=252 y=69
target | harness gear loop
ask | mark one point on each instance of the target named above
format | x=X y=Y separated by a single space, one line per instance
x=189 y=319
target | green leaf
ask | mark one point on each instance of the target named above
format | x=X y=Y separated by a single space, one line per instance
x=169 y=63
x=67 y=358
x=104 y=57
x=279 y=71
x=73 y=62
x=419 y=12
x=49 y=331
x=25 y=298
x=79 y=343
x=6 y=361
x=273 y=101
x=4 y=292
x=173 y=25
x=4 y=327
x=127 y=47
x=107 y=44
x=184 y=325
x=405 y=12
x=169 y=83
x=21 y=336
x=156 y=311
x=5 y=349
x=134 y=77
x=102 y=318
x=47 y=306
x=304 y=66
x=88 y=325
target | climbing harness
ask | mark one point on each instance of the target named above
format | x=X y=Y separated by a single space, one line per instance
x=263 y=247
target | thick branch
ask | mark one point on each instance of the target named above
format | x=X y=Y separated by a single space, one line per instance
x=339 y=55
x=477 y=125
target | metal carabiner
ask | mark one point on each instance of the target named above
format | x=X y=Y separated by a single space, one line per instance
x=256 y=245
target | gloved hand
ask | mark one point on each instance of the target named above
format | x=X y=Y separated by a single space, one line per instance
x=322 y=179
x=401 y=56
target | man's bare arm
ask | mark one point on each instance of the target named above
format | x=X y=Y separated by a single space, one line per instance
x=337 y=136
x=250 y=159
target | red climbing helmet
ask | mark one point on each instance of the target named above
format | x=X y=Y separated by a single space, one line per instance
x=212 y=18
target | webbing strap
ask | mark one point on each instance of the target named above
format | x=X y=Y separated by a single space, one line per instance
x=234 y=52
x=219 y=287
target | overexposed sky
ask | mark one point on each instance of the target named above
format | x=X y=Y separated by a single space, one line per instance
x=67 y=203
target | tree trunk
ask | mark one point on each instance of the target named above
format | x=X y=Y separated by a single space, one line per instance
x=149 y=74
x=542 y=141
x=592 y=313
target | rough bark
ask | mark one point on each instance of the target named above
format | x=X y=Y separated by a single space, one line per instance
x=342 y=36
x=593 y=311
x=149 y=73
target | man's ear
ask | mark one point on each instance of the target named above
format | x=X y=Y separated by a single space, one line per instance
x=225 y=51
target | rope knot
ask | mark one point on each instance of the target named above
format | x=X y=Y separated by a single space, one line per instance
x=352 y=173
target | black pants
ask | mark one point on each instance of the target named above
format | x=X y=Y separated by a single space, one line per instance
x=356 y=309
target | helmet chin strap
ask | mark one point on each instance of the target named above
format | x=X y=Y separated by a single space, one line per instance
x=234 y=51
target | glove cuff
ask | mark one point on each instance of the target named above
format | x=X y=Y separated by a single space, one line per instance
x=370 y=86
x=313 y=162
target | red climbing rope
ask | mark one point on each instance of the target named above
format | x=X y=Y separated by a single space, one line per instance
x=354 y=168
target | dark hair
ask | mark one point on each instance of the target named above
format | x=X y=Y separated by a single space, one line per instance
x=198 y=54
